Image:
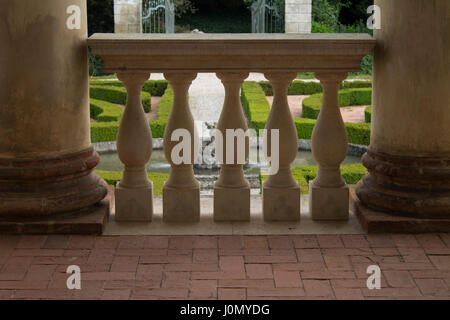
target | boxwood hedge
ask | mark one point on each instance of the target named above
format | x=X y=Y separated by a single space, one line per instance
x=158 y=179
x=299 y=87
x=368 y=114
x=257 y=109
x=351 y=173
x=107 y=130
x=347 y=97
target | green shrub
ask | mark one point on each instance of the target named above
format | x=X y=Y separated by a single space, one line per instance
x=351 y=173
x=299 y=87
x=347 y=97
x=103 y=111
x=156 y=87
x=104 y=131
x=356 y=84
x=117 y=94
x=158 y=179
x=107 y=131
x=257 y=109
x=368 y=114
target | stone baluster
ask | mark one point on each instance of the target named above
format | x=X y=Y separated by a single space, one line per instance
x=134 y=193
x=281 y=192
x=181 y=193
x=232 y=190
x=328 y=192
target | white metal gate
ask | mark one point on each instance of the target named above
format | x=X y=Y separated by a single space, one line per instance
x=266 y=17
x=158 y=16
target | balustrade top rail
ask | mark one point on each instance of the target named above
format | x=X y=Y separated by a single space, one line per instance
x=227 y=52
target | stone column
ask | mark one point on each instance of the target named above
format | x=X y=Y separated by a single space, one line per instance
x=232 y=190
x=328 y=192
x=408 y=185
x=128 y=16
x=298 y=16
x=281 y=193
x=181 y=193
x=46 y=156
x=134 y=193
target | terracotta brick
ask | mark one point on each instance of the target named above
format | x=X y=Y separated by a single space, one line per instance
x=98 y=276
x=81 y=242
x=386 y=251
x=355 y=241
x=445 y=237
x=338 y=262
x=434 y=287
x=119 y=294
x=204 y=289
x=176 y=280
x=231 y=242
x=399 y=279
x=326 y=275
x=280 y=242
x=430 y=241
x=271 y=259
x=191 y=267
x=287 y=279
x=246 y=283
x=405 y=240
x=205 y=242
x=6 y=294
x=40 y=273
x=38 y=253
x=309 y=255
x=181 y=242
x=131 y=284
x=101 y=256
x=156 y=242
x=380 y=241
x=349 y=283
x=392 y=292
x=255 y=242
x=125 y=264
x=31 y=242
x=56 y=242
x=330 y=241
x=129 y=242
x=276 y=292
x=106 y=242
x=305 y=241
x=259 y=271
x=302 y=266
x=441 y=262
x=23 y=285
x=231 y=294
x=348 y=294
x=318 y=288
x=165 y=293
x=206 y=256
x=232 y=264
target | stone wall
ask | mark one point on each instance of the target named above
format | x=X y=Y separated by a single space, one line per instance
x=298 y=16
x=127 y=16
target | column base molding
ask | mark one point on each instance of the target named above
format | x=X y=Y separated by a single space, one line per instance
x=87 y=221
x=406 y=186
x=48 y=187
x=374 y=221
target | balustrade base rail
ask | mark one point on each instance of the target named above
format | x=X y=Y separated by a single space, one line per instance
x=232 y=57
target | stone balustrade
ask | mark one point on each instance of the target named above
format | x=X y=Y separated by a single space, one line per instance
x=232 y=56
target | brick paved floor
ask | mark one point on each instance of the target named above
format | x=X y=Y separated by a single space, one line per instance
x=225 y=267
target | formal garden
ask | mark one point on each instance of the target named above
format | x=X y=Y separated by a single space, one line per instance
x=108 y=98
